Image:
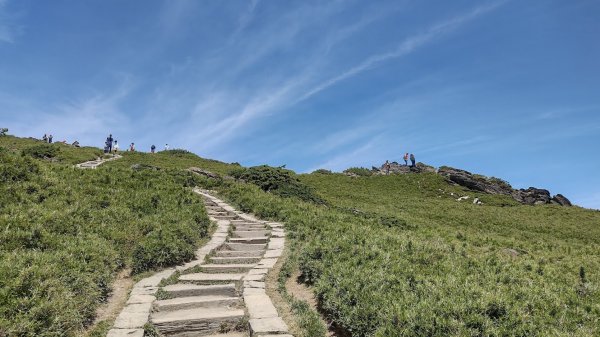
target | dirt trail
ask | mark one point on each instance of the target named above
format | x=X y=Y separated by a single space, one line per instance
x=116 y=301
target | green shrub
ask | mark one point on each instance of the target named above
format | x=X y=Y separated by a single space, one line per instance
x=276 y=180
x=359 y=171
x=160 y=249
x=42 y=151
x=322 y=171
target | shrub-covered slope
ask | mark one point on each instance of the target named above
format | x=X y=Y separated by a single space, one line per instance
x=399 y=256
x=64 y=232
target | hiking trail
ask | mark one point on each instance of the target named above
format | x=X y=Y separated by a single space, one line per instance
x=219 y=294
x=92 y=164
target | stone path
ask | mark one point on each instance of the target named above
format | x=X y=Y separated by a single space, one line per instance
x=92 y=164
x=219 y=294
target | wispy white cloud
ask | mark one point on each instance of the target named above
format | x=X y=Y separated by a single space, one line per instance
x=87 y=120
x=406 y=47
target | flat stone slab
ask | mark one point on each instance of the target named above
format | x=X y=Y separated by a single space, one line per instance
x=203 y=321
x=249 y=234
x=245 y=246
x=131 y=320
x=252 y=240
x=254 y=291
x=252 y=260
x=273 y=325
x=210 y=301
x=206 y=278
x=267 y=263
x=260 y=306
x=239 y=253
x=226 y=268
x=140 y=299
x=273 y=253
x=186 y=290
x=125 y=333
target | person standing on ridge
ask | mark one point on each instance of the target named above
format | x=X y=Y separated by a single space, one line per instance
x=50 y=139
x=412 y=160
x=132 y=147
x=45 y=138
x=152 y=148
x=166 y=147
x=406 y=159
x=116 y=147
x=109 y=143
x=386 y=167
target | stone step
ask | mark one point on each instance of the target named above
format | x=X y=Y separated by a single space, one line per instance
x=210 y=301
x=208 y=278
x=249 y=234
x=251 y=240
x=199 y=321
x=226 y=268
x=239 y=253
x=247 y=229
x=187 y=290
x=235 y=259
x=225 y=217
x=244 y=246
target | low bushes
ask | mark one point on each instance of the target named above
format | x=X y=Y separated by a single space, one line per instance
x=64 y=233
x=446 y=275
x=278 y=181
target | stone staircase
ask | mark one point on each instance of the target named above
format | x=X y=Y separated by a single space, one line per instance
x=224 y=295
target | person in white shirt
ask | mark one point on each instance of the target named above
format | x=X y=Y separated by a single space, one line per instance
x=166 y=147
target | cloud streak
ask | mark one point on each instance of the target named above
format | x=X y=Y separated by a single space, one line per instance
x=406 y=47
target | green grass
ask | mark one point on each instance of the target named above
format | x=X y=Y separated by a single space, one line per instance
x=64 y=153
x=439 y=267
x=386 y=255
x=65 y=232
x=173 y=159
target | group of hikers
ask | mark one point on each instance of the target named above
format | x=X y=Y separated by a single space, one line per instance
x=112 y=145
x=48 y=139
x=406 y=157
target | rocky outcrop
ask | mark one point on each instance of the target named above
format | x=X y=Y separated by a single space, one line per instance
x=561 y=200
x=203 y=172
x=491 y=185
x=396 y=168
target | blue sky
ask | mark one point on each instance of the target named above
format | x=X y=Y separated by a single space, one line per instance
x=502 y=88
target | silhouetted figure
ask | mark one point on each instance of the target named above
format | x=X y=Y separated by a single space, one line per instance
x=50 y=139
x=109 y=142
x=75 y=143
x=45 y=138
x=132 y=147
x=152 y=148
x=386 y=167
x=166 y=147
x=412 y=160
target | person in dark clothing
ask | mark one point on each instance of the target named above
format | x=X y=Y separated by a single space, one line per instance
x=412 y=160
x=152 y=148
x=50 y=139
x=109 y=143
x=45 y=138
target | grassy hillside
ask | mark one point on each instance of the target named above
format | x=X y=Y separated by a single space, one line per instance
x=386 y=255
x=395 y=256
x=65 y=232
x=172 y=159
x=61 y=153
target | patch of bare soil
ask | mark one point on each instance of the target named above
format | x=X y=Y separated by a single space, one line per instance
x=116 y=301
